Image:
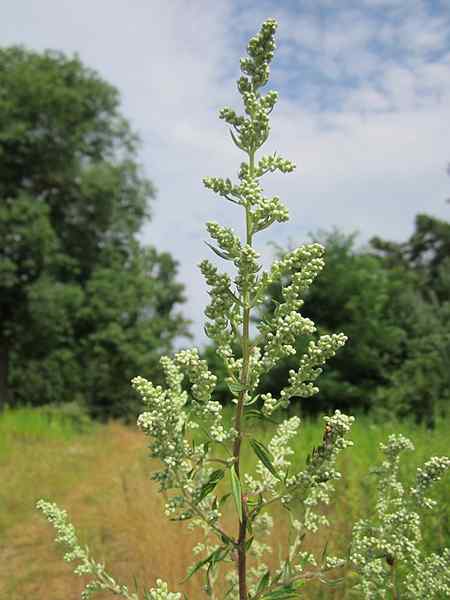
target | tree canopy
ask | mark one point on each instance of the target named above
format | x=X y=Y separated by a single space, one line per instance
x=80 y=297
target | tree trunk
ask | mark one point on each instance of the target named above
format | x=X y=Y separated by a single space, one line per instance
x=5 y=395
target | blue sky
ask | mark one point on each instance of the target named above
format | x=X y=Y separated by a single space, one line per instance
x=364 y=107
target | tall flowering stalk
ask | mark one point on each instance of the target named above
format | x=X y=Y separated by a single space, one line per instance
x=204 y=482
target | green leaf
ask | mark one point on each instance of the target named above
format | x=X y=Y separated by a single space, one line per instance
x=236 y=388
x=236 y=491
x=263 y=582
x=252 y=400
x=213 y=480
x=223 y=500
x=224 y=255
x=216 y=556
x=236 y=141
x=257 y=414
x=264 y=456
x=285 y=593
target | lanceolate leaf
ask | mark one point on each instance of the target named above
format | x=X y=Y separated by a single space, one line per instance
x=211 y=560
x=286 y=593
x=236 y=141
x=213 y=480
x=219 y=252
x=236 y=388
x=263 y=582
x=257 y=414
x=264 y=456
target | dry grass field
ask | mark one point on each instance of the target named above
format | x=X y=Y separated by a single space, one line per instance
x=102 y=479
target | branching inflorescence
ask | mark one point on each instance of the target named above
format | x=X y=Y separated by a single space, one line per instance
x=177 y=414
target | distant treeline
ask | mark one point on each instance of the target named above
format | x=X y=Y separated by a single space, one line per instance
x=392 y=300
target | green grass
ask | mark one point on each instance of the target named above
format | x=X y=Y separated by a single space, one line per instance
x=101 y=478
x=37 y=425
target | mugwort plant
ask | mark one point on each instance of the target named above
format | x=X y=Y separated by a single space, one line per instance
x=204 y=481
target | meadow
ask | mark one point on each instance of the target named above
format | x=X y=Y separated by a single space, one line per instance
x=101 y=475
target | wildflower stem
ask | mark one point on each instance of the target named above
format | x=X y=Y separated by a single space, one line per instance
x=245 y=341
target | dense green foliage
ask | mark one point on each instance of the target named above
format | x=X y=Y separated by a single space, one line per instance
x=83 y=306
x=419 y=380
x=392 y=301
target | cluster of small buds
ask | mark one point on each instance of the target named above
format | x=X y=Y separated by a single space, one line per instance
x=301 y=280
x=248 y=266
x=304 y=559
x=163 y=421
x=432 y=580
x=280 y=450
x=66 y=536
x=220 y=310
x=314 y=485
x=172 y=374
x=260 y=49
x=173 y=505
x=286 y=330
x=334 y=562
x=223 y=187
x=161 y=592
x=255 y=371
x=316 y=355
x=226 y=238
x=230 y=117
x=269 y=404
x=273 y=163
x=301 y=265
x=267 y=212
x=431 y=471
x=297 y=260
x=393 y=535
x=250 y=191
x=203 y=381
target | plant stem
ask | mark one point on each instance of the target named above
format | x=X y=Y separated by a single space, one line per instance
x=245 y=342
x=395 y=594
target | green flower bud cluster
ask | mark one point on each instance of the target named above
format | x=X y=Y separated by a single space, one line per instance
x=432 y=579
x=273 y=163
x=227 y=240
x=281 y=451
x=267 y=212
x=286 y=330
x=66 y=536
x=300 y=381
x=392 y=538
x=221 y=311
x=161 y=592
x=431 y=471
x=260 y=50
x=317 y=479
x=230 y=117
x=164 y=421
x=301 y=266
x=203 y=381
x=248 y=267
x=223 y=187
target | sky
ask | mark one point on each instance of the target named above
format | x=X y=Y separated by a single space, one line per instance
x=364 y=109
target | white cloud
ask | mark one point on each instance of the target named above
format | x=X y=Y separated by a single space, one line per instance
x=364 y=107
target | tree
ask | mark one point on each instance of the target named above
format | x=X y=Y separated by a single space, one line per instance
x=72 y=200
x=419 y=382
x=426 y=252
